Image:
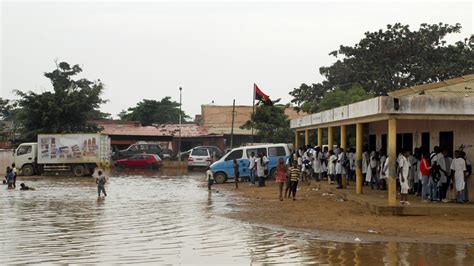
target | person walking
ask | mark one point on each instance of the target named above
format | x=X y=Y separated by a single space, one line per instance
x=100 y=181
x=280 y=176
x=295 y=173
x=209 y=178
x=236 y=173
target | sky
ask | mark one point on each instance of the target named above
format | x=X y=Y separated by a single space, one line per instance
x=215 y=51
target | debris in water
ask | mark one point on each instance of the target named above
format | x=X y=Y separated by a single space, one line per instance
x=357 y=239
x=373 y=232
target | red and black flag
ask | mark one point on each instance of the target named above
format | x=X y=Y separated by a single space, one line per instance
x=260 y=96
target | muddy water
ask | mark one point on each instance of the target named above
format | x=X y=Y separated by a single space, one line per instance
x=151 y=219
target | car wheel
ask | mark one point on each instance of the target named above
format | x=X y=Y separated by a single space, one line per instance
x=79 y=171
x=220 y=177
x=27 y=170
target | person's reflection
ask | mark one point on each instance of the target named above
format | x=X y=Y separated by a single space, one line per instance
x=209 y=204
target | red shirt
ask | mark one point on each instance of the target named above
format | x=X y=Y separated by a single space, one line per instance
x=424 y=167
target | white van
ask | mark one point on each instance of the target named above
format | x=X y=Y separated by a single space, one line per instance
x=223 y=169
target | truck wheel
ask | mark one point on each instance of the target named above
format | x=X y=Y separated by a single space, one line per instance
x=27 y=170
x=220 y=178
x=79 y=170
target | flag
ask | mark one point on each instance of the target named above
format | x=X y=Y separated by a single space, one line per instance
x=260 y=96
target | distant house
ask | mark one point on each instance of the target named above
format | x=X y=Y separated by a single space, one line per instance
x=125 y=133
x=217 y=119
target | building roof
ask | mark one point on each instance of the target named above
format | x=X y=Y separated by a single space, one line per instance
x=450 y=87
x=120 y=128
x=448 y=100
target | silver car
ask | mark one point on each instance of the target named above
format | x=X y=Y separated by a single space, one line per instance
x=199 y=157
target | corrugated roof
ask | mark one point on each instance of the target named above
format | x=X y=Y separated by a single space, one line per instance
x=117 y=128
x=419 y=89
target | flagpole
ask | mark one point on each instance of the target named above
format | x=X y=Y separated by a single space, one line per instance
x=253 y=110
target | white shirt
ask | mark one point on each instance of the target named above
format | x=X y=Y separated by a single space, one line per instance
x=260 y=167
x=404 y=166
x=459 y=166
x=252 y=162
x=384 y=168
x=209 y=175
x=317 y=166
x=365 y=158
x=331 y=165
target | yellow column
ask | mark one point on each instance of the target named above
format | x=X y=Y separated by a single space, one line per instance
x=359 y=132
x=330 y=138
x=320 y=138
x=306 y=137
x=344 y=146
x=392 y=155
x=297 y=140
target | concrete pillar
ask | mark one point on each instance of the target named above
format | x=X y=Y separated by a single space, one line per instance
x=330 y=138
x=392 y=155
x=306 y=137
x=359 y=132
x=320 y=138
x=297 y=140
x=344 y=146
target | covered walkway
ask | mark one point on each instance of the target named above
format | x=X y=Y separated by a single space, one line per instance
x=439 y=114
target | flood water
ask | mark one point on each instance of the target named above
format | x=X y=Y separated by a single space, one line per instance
x=148 y=218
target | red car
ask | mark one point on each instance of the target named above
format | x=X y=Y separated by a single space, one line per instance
x=150 y=161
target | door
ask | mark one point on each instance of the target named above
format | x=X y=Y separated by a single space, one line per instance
x=425 y=142
x=446 y=141
x=24 y=155
x=372 y=142
x=384 y=144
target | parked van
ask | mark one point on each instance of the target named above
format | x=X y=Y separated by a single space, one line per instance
x=223 y=169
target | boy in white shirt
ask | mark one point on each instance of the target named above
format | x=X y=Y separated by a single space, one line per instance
x=210 y=178
x=458 y=165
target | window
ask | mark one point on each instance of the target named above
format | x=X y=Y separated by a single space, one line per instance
x=249 y=151
x=22 y=150
x=134 y=148
x=142 y=147
x=276 y=151
x=235 y=155
x=138 y=157
x=155 y=147
x=200 y=152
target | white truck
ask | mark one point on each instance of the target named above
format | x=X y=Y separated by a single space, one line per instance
x=76 y=153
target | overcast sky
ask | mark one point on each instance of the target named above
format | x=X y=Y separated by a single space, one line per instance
x=215 y=51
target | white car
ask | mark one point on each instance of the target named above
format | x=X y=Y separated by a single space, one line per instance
x=199 y=157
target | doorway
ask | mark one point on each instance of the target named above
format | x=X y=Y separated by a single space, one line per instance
x=446 y=141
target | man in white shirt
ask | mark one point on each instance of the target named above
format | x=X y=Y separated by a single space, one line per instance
x=458 y=165
x=252 y=168
x=404 y=167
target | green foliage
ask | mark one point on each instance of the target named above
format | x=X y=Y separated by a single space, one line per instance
x=339 y=97
x=387 y=60
x=271 y=124
x=149 y=112
x=66 y=109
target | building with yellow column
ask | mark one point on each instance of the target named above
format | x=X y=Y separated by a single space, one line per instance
x=437 y=114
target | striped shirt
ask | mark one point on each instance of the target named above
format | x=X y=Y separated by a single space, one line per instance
x=294 y=174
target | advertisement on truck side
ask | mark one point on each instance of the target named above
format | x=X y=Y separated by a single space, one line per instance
x=69 y=148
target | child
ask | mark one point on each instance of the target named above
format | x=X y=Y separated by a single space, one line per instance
x=9 y=177
x=101 y=183
x=14 y=172
x=281 y=176
x=25 y=187
x=294 y=177
x=210 y=178
x=236 y=173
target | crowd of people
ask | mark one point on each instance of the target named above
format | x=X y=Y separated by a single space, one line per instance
x=435 y=176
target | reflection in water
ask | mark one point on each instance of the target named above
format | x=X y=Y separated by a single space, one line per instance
x=151 y=219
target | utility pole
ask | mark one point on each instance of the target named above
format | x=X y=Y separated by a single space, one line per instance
x=179 y=136
x=232 y=128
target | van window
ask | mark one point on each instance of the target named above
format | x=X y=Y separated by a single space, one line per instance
x=235 y=155
x=23 y=150
x=249 y=151
x=276 y=151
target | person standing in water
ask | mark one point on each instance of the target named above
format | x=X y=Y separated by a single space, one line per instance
x=100 y=181
x=281 y=176
x=14 y=172
x=9 y=177
x=210 y=178
x=236 y=173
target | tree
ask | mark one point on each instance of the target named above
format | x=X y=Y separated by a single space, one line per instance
x=271 y=123
x=391 y=59
x=66 y=109
x=339 y=97
x=149 y=112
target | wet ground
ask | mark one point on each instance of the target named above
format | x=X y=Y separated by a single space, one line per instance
x=148 y=218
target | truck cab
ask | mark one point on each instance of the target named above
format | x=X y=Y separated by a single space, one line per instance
x=25 y=158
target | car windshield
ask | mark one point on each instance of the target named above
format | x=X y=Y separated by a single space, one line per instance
x=199 y=152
